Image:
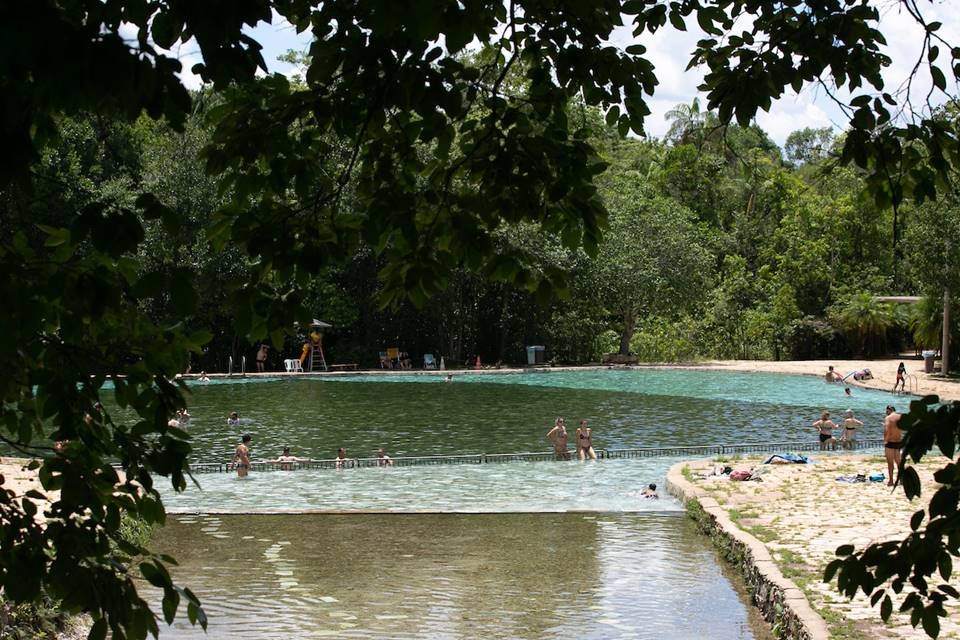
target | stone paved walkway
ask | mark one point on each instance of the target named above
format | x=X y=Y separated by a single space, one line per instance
x=802 y=514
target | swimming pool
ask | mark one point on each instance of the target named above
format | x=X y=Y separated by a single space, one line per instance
x=499 y=413
x=541 y=549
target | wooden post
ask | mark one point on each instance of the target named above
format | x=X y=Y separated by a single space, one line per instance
x=945 y=345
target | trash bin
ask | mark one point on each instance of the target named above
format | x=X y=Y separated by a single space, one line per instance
x=535 y=354
x=928 y=358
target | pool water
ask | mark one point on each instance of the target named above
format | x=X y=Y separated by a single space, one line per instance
x=500 y=413
x=536 y=487
x=514 y=550
x=549 y=576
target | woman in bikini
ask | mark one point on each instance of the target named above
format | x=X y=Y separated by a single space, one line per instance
x=825 y=427
x=558 y=437
x=585 y=442
x=849 y=425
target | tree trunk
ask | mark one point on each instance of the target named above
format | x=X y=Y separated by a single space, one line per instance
x=945 y=347
x=629 y=326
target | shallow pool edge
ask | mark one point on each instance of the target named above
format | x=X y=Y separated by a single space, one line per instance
x=779 y=600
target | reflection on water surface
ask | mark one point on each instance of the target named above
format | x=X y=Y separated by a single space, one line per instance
x=454 y=576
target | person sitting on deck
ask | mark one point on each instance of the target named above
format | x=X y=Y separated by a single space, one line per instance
x=832 y=376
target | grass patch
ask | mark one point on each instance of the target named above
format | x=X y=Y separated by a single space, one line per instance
x=763 y=533
x=841 y=628
x=686 y=473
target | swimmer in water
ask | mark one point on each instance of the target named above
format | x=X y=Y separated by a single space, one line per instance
x=341 y=460
x=650 y=491
x=241 y=457
x=558 y=437
x=584 y=437
x=286 y=460
x=383 y=460
x=849 y=426
x=234 y=419
x=825 y=427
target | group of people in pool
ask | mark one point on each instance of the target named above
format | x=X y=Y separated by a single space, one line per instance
x=241 y=458
x=892 y=435
x=583 y=438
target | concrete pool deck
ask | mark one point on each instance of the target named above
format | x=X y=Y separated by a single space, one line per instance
x=785 y=529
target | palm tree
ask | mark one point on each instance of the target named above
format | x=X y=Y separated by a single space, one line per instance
x=926 y=322
x=862 y=317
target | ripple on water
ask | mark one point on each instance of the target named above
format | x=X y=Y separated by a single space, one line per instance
x=461 y=576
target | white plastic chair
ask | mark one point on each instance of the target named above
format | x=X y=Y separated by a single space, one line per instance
x=292 y=365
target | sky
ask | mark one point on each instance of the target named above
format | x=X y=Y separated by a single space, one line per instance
x=669 y=51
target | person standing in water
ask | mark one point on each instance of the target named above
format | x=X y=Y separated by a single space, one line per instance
x=892 y=442
x=286 y=460
x=849 y=426
x=241 y=457
x=383 y=460
x=584 y=437
x=825 y=427
x=558 y=437
x=341 y=460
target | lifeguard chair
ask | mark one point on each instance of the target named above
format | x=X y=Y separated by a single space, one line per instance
x=311 y=358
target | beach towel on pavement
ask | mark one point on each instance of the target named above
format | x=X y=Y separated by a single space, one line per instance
x=740 y=474
x=787 y=458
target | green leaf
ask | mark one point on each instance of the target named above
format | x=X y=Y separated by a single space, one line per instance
x=171 y=600
x=916 y=519
x=886 y=608
x=98 y=631
x=844 y=550
x=931 y=621
x=910 y=481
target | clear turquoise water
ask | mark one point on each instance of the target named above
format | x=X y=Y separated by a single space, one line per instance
x=422 y=415
x=515 y=550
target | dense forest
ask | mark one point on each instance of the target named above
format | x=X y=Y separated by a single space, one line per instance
x=719 y=244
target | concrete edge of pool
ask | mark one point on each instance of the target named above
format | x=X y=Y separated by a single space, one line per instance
x=770 y=588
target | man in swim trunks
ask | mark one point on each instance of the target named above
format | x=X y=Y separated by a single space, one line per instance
x=558 y=437
x=849 y=426
x=584 y=438
x=241 y=457
x=383 y=460
x=832 y=376
x=892 y=442
x=825 y=427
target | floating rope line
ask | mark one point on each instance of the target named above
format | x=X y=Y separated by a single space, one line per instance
x=492 y=458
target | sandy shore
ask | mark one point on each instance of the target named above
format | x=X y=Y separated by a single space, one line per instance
x=884 y=373
x=802 y=514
